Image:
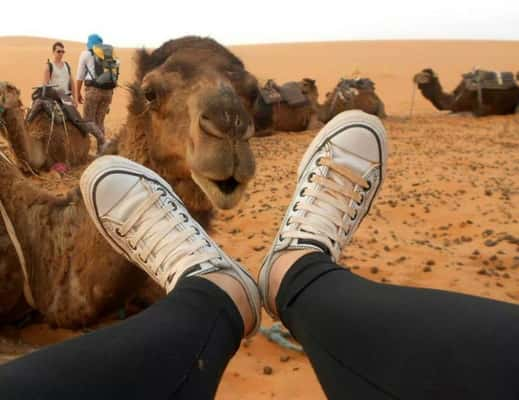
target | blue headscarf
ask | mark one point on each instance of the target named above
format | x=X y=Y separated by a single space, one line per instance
x=93 y=39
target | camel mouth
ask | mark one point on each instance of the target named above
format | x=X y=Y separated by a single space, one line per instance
x=228 y=185
x=223 y=193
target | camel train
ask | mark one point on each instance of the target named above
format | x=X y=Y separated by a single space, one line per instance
x=188 y=120
x=294 y=106
x=479 y=92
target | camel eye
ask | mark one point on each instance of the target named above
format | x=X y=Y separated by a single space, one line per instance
x=150 y=95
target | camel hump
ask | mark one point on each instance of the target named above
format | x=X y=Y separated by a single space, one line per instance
x=481 y=79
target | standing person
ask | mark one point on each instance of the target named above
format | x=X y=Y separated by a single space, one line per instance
x=97 y=99
x=58 y=73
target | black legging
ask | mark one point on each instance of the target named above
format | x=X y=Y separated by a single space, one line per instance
x=365 y=341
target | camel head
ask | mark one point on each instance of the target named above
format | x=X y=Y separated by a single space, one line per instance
x=193 y=98
x=9 y=97
x=309 y=89
x=426 y=77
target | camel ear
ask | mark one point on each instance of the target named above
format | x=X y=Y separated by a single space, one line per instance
x=137 y=102
x=143 y=63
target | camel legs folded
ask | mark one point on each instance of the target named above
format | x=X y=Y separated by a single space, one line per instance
x=73 y=273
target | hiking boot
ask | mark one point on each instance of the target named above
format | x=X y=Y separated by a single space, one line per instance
x=143 y=219
x=338 y=179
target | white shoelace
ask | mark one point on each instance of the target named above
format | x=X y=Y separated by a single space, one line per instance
x=324 y=219
x=173 y=245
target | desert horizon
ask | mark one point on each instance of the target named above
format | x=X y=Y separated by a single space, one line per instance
x=390 y=64
x=450 y=196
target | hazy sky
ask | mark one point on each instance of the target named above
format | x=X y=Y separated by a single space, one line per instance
x=264 y=21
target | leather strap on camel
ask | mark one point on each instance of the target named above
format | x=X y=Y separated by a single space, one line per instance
x=18 y=247
x=3 y=126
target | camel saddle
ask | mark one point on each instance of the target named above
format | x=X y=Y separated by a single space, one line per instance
x=59 y=106
x=359 y=84
x=480 y=79
x=289 y=93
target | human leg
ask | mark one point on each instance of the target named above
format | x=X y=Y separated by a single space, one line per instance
x=375 y=341
x=90 y=104
x=104 y=101
x=367 y=340
x=177 y=348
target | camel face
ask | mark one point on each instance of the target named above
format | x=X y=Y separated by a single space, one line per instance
x=309 y=89
x=425 y=77
x=9 y=96
x=198 y=104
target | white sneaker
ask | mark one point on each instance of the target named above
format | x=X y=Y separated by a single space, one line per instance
x=338 y=179
x=143 y=219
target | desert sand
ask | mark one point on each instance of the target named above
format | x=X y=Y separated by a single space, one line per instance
x=447 y=216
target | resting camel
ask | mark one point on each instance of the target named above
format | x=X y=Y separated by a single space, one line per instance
x=348 y=94
x=55 y=131
x=278 y=113
x=188 y=120
x=480 y=92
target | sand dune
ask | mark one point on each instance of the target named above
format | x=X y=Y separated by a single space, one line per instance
x=447 y=215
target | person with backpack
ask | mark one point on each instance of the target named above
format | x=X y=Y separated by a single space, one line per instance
x=59 y=74
x=99 y=71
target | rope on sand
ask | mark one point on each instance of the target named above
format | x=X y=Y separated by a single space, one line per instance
x=281 y=337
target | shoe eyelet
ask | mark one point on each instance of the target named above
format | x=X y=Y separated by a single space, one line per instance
x=145 y=262
x=302 y=192
x=310 y=177
x=294 y=208
x=369 y=186
x=197 y=231
x=359 y=203
x=184 y=216
x=118 y=232
x=353 y=217
x=132 y=246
